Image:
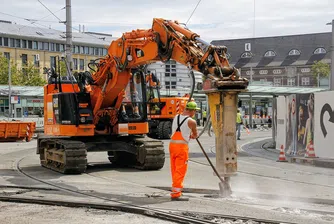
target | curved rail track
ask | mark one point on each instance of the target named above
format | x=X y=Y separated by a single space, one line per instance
x=159 y=213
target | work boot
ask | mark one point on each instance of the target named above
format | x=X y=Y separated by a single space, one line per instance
x=124 y=115
x=181 y=198
x=136 y=115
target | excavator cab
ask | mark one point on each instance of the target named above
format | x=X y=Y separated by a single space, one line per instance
x=154 y=103
x=134 y=104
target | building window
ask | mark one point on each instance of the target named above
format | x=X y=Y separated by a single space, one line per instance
x=40 y=46
x=24 y=44
x=24 y=59
x=167 y=84
x=82 y=64
x=46 y=46
x=246 y=55
x=173 y=85
x=105 y=51
x=277 y=82
x=29 y=44
x=36 y=60
x=263 y=72
x=100 y=51
x=75 y=64
x=305 y=70
x=0 y=41
x=270 y=54
x=294 y=52
x=96 y=51
x=277 y=71
x=5 y=41
x=250 y=72
x=320 y=50
x=86 y=50
x=81 y=50
x=291 y=81
x=62 y=48
x=52 y=62
x=58 y=47
x=91 y=51
x=170 y=68
x=11 y=42
x=7 y=55
x=18 y=43
x=76 y=49
x=305 y=81
x=52 y=47
x=34 y=45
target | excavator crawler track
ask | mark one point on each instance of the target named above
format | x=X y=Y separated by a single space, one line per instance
x=151 y=154
x=64 y=156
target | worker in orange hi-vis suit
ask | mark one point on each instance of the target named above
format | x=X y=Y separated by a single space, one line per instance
x=184 y=128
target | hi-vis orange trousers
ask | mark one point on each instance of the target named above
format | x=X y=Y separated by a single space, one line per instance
x=179 y=163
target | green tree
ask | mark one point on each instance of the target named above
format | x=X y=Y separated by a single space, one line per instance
x=28 y=76
x=4 y=70
x=320 y=69
x=63 y=71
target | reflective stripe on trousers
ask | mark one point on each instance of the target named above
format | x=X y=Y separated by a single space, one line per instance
x=179 y=141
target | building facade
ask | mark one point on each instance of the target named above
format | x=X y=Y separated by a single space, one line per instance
x=281 y=60
x=24 y=44
x=174 y=77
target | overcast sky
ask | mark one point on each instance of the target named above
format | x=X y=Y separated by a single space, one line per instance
x=213 y=19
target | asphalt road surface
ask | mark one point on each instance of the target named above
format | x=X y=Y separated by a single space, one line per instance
x=262 y=188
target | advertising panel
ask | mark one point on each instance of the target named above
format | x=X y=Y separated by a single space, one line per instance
x=291 y=125
x=305 y=122
x=324 y=124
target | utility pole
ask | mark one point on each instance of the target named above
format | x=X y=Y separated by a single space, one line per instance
x=9 y=90
x=68 y=50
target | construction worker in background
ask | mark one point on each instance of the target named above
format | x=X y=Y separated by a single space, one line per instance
x=204 y=117
x=184 y=128
x=239 y=123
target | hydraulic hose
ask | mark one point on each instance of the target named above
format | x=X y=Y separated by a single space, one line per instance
x=212 y=166
x=192 y=76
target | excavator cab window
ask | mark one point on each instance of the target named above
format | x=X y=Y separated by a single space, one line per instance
x=134 y=101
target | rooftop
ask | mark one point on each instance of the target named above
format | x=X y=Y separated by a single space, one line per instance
x=33 y=33
x=277 y=51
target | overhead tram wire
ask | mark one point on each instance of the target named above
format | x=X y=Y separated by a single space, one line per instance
x=60 y=21
x=50 y=11
x=193 y=11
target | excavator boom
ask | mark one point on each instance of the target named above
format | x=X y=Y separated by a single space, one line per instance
x=164 y=41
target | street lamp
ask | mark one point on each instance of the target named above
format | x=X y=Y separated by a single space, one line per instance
x=331 y=77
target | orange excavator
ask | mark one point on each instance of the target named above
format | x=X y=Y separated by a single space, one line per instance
x=83 y=113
